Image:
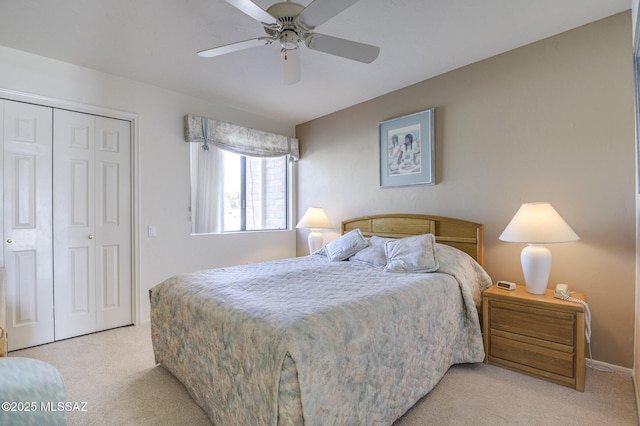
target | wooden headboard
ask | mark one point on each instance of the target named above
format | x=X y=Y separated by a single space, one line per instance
x=461 y=234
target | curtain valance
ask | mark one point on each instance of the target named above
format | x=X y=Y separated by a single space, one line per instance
x=238 y=139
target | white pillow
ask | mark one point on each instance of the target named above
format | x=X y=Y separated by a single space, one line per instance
x=374 y=254
x=345 y=246
x=411 y=254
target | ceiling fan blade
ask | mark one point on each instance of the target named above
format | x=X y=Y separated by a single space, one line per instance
x=291 y=66
x=340 y=47
x=320 y=11
x=234 y=47
x=253 y=10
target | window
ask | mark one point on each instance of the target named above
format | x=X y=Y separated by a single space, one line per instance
x=233 y=192
x=255 y=193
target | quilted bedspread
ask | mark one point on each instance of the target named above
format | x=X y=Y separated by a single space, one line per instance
x=366 y=344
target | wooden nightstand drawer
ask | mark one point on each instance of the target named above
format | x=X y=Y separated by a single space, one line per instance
x=526 y=354
x=543 y=324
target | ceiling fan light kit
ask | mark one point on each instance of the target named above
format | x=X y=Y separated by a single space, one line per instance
x=291 y=23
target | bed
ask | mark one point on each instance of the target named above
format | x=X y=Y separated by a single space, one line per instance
x=353 y=334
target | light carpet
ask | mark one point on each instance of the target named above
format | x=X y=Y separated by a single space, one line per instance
x=115 y=374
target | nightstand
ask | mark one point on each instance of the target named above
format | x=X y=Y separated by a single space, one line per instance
x=535 y=334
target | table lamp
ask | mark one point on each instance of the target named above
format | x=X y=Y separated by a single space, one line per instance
x=537 y=224
x=315 y=219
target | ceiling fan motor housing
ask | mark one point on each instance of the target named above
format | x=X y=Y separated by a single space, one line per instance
x=288 y=30
x=285 y=9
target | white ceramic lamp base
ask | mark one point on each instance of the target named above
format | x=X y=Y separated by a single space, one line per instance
x=536 y=266
x=315 y=241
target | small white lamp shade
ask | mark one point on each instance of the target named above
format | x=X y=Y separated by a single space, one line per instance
x=315 y=219
x=537 y=224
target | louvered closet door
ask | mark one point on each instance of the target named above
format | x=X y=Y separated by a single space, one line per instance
x=27 y=238
x=92 y=223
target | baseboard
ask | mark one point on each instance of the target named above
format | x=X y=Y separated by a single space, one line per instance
x=603 y=366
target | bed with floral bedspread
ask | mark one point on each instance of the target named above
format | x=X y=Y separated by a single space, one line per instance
x=322 y=339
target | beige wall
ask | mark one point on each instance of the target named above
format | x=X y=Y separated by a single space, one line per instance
x=551 y=121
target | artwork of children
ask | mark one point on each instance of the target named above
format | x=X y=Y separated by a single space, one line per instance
x=403 y=147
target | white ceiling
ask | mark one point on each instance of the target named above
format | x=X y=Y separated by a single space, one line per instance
x=156 y=41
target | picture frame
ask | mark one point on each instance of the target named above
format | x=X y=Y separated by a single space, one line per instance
x=407 y=155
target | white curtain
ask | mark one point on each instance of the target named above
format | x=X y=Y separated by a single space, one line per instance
x=207 y=182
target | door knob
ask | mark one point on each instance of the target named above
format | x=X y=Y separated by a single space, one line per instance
x=9 y=240
x=90 y=236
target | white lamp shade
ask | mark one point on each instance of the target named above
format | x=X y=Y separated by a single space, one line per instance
x=538 y=223
x=315 y=218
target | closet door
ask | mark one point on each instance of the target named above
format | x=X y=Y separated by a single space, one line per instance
x=113 y=223
x=27 y=152
x=92 y=223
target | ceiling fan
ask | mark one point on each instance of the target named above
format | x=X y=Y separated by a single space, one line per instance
x=291 y=23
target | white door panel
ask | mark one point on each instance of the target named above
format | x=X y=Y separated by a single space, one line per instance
x=27 y=226
x=73 y=224
x=113 y=223
x=92 y=223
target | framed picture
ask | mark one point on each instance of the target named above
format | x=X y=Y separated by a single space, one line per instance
x=407 y=150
